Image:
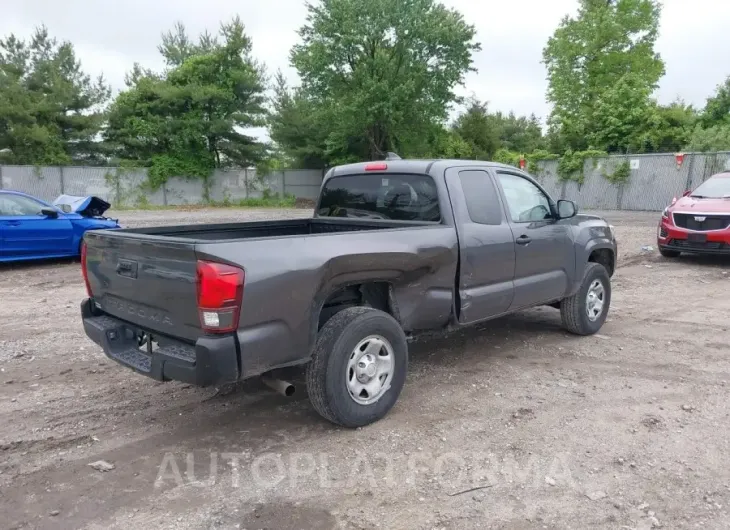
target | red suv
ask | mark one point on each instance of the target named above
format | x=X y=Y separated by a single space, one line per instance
x=699 y=222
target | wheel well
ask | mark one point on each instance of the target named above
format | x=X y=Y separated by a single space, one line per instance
x=374 y=294
x=604 y=256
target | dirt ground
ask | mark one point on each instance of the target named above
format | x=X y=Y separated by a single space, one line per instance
x=625 y=429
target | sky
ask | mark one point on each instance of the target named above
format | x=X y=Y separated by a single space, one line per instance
x=110 y=35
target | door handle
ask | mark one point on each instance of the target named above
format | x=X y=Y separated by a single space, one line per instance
x=523 y=240
x=12 y=223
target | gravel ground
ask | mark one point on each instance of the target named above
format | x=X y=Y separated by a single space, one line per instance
x=625 y=429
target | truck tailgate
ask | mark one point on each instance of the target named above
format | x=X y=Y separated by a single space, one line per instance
x=148 y=281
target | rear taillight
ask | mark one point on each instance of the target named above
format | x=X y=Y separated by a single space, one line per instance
x=377 y=166
x=220 y=294
x=84 y=268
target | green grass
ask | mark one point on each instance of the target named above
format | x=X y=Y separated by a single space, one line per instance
x=262 y=202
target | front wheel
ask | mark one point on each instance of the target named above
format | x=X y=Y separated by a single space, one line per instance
x=585 y=312
x=358 y=367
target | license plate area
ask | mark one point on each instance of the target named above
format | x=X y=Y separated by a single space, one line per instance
x=697 y=238
x=146 y=343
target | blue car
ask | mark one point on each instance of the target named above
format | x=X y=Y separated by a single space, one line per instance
x=33 y=229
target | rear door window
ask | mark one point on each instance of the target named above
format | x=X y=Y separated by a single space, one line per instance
x=391 y=196
x=481 y=197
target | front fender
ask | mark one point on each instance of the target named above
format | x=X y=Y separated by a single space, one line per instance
x=591 y=234
x=583 y=257
x=599 y=244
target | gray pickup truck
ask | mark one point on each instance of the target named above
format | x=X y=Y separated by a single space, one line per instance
x=394 y=248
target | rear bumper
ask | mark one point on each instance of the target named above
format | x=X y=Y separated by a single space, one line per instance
x=674 y=238
x=210 y=361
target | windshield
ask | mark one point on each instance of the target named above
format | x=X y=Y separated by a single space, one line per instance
x=716 y=187
x=397 y=197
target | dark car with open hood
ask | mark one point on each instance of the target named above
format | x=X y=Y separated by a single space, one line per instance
x=395 y=248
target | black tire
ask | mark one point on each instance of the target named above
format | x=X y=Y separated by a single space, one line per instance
x=326 y=373
x=668 y=253
x=573 y=310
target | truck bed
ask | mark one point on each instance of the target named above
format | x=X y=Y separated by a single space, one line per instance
x=267 y=229
x=147 y=276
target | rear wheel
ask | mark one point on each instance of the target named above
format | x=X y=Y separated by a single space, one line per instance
x=585 y=312
x=358 y=368
x=669 y=253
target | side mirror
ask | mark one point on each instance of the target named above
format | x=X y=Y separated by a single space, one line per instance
x=49 y=212
x=566 y=209
x=686 y=193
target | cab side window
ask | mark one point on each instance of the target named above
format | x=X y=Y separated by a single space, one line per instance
x=482 y=200
x=526 y=202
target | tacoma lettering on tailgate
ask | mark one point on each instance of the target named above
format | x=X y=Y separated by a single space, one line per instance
x=145 y=313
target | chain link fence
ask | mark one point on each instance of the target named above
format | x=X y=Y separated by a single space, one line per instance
x=653 y=181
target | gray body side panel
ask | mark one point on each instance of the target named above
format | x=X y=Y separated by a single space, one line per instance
x=287 y=284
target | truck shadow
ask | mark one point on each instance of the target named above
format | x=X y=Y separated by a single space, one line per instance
x=501 y=337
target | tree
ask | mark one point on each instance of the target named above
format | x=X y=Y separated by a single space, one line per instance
x=606 y=52
x=177 y=47
x=189 y=120
x=717 y=109
x=380 y=73
x=619 y=115
x=486 y=133
x=668 y=128
x=297 y=127
x=712 y=132
x=521 y=134
x=50 y=110
x=226 y=87
x=479 y=130
x=715 y=138
x=133 y=77
x=449 y=144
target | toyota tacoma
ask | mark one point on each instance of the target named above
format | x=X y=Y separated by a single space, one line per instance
x=394 y=248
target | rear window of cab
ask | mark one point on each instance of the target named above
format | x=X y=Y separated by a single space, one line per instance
x=389 y=196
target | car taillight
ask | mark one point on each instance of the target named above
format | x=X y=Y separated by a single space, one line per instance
x=376 y=167
x=84 y=269
x=220 y=293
